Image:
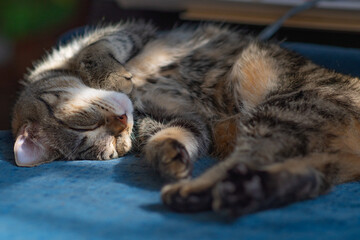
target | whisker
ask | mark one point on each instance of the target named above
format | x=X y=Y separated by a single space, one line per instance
x=76 y=148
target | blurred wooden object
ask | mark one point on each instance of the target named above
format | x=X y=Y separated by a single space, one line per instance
x=264 y=14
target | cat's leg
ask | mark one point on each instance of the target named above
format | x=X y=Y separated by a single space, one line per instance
x=259 y=143
x=98 y=57
x=172 y=147
x=239 y=188
x=273 y=136
x=101 y=61
x=172 y=152
x=196 y=194
x=119 y=42
x=247 y=189
x=99 y=68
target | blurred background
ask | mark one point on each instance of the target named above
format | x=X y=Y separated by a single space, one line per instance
x=29 y=28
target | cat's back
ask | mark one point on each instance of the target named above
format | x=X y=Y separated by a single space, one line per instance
x=182 y=67
x=217 y=71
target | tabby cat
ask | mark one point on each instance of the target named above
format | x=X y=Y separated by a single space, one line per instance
x=283 y=128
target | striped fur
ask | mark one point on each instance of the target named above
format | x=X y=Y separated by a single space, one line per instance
x=284 y=128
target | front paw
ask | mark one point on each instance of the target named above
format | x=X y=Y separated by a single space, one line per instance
x=170 y=158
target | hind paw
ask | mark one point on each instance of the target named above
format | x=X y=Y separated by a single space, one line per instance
x=241 y=191
x=188 y=196
x=244 y=190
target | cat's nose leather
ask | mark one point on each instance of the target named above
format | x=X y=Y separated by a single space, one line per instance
x=122 y=119
x=116 y=124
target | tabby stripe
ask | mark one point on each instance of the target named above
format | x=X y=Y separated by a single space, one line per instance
x=101 y=40
x=51 y=113
x=134 y=47
x=287 y=125
x=169 y=67
x=330 y=81
x=304 y=107
x=81 y=143
x=83 y=152
x=113 y=57
x=54 y=92
x=48 y=107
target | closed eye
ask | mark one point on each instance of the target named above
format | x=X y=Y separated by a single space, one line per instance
x=86 y=128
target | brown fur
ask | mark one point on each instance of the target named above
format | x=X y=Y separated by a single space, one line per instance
x=257 y=73
x=349 y=137
x=224 y=135
x=171 y=155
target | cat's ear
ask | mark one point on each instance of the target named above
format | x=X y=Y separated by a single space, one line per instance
x=29 y=151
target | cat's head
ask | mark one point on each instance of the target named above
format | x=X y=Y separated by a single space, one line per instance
x=64 y=119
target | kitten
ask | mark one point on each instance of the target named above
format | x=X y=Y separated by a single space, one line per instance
x=283 y=128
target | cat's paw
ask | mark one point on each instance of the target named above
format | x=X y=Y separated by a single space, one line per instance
x=244 y=190
x=118 y=79
x=170 y=158
x=99 y=68
x=188 y=196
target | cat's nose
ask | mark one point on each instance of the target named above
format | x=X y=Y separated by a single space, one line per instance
x=116 y=124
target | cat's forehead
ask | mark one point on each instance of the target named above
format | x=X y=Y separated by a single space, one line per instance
x=65 y=101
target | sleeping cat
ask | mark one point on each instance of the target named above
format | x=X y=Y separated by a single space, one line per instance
x=283 y=128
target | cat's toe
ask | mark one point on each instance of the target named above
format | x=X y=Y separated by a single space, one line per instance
x=181 y=197
x=175 y=161
x=243 y=191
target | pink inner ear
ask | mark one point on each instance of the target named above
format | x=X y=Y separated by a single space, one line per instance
x=28 y=152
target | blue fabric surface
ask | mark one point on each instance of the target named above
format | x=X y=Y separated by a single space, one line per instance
x=344 y=60
x=119 y=199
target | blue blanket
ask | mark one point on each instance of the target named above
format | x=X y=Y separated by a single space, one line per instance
x=119 y=199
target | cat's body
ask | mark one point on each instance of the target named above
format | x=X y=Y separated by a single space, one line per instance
x=284 y=128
